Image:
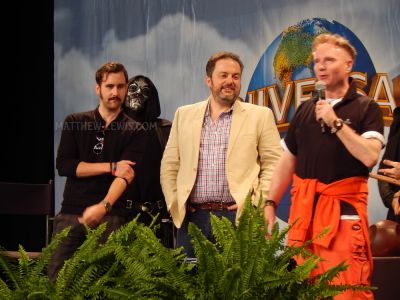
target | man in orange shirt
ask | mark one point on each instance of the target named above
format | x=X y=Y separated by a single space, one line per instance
x=329 y=148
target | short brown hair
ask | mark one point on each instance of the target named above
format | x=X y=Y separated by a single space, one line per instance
x=221 y=55
x=336 y=40
x=110 y=67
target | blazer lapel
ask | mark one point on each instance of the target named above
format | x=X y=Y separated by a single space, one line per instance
x=238 y=117
x=198 y=120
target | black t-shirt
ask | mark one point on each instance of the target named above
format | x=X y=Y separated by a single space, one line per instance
x=124 y=139
x=323 y=156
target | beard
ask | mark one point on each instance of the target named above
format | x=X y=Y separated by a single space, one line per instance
x=218 y=92
x=226 y=98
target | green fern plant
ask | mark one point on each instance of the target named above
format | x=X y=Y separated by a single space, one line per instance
x=243 y=264
x=133 y=264
x=26 y=278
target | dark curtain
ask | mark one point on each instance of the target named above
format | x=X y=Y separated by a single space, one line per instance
x=27 y=111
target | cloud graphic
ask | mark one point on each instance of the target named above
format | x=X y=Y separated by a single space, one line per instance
x=173 y=54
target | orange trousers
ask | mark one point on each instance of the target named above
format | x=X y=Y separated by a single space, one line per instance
x=349 y=244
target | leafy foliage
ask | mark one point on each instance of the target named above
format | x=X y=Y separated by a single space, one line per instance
x=243 y=264
x=133 y=264
x=26 y=278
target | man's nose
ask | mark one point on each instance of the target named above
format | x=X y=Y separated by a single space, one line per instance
x=321 y=66
x=114 y=90
x=229 y=80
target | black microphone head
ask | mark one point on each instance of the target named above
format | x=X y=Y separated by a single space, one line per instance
x=320 y=87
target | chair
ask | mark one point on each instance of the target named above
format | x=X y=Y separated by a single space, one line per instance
x=28 y=199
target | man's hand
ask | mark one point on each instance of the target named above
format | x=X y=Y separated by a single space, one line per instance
x=269 y=216
x=125 y=170
x=92 y=215
x=324 y=111
x=393 y=172
x=233 y=207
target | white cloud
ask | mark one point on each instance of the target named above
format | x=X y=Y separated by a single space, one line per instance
x=173 y=54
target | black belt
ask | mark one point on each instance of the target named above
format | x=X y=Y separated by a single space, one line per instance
x=144 y=206
x=212 y=206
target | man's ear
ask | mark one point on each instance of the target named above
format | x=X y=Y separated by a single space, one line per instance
x=207 y=80
x=349 y=66
x=97 y=89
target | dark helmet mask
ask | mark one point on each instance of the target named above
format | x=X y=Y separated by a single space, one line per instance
x=138 y=95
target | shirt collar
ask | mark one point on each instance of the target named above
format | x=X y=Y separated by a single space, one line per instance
x=208 y=109
x=99 y=118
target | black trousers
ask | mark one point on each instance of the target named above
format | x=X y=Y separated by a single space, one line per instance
x=75 y=238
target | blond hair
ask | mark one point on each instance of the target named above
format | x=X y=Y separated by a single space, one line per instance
x=337 y=40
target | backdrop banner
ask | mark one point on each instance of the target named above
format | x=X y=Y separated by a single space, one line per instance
x=170 y=41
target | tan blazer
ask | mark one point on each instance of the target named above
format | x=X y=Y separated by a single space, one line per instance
x=253 y=151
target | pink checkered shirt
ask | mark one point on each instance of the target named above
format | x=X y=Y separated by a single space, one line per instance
x=211 y=183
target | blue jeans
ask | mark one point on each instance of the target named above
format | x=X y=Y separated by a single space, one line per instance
x=201 y=218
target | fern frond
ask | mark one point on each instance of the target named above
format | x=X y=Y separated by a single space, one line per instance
x=9 y=271
x=5 y=291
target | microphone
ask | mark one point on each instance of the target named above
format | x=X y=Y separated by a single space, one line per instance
x=320 y=88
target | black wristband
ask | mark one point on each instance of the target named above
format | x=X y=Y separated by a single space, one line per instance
x=270 y=203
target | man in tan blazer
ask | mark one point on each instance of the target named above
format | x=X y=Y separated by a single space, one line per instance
x=218 y=151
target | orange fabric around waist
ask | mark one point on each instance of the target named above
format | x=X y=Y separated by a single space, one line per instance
x=353 y=190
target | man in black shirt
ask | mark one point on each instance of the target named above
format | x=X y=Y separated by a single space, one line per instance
x=329 y=147
x=98 y=152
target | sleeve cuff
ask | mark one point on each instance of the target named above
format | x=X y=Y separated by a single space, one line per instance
x=374 y=135
x=283 y=145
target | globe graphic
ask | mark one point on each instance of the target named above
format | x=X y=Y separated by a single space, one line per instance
x=289 y=58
